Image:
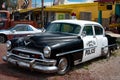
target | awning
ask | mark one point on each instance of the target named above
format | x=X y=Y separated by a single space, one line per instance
x=55 y=9
x=25 y=10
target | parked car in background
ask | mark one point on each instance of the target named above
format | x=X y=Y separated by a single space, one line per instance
x=64 y=44
x=18 y=30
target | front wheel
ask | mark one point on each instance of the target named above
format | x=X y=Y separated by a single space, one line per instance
x=2 y=39
x=63 y=65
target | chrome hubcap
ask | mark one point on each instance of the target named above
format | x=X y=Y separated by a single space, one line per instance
x=62 y=66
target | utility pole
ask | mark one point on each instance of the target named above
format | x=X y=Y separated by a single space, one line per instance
x=42 y=14
x=100 y=16
x=35 y=4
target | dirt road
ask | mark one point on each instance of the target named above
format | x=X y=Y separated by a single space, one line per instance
x=97 y=69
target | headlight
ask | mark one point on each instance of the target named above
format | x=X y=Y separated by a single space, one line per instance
x=8 y=44
x=47 y=51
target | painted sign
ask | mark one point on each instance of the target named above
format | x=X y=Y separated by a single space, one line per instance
x=91 y=49
x=104 y=6
x=25 y=4
x=57 y=2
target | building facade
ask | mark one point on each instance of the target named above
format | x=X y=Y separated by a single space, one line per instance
x=110 y=13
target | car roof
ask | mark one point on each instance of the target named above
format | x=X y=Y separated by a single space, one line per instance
x=22 y=24
x=75 y=21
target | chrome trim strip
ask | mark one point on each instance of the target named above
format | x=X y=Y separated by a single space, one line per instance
x=70 y=52
x=26 y=50
x=76 y=62
x=110 y=45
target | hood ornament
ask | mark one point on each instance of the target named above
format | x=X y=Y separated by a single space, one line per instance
x=27 y=42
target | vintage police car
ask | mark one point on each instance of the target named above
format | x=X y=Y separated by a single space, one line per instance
x=64 y=44
x=18 y=30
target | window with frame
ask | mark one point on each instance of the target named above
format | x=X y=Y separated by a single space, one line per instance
x=29 y=28
x=88 y=30
x=98 y=30
x=20 y=28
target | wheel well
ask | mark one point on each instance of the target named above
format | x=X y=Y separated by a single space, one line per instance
x=71 y=60
x=4 y=36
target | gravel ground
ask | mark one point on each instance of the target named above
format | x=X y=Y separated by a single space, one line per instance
x=97 y=69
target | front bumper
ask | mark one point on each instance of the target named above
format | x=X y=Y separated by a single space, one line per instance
x=45 y=65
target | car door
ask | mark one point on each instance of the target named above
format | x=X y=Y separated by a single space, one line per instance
x=23 y=31
x=101 y=40
x=90 y=43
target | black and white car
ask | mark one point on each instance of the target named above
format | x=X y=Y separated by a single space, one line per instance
x=18 y=30
x=64 y=44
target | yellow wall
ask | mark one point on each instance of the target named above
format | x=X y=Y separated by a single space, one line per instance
x=107 y=14
x=92 y=8
x=77 y=8
x=87 y=7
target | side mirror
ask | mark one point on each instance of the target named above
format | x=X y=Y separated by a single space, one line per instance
x=83 y=34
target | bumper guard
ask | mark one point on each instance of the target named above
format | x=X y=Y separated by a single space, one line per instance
x=47 y=65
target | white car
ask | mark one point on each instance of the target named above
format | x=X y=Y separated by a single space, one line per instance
x=18 y=30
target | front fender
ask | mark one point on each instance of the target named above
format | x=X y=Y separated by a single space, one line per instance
x=74 y=48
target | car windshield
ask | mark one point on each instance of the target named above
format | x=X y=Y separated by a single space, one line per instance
x=64 y=28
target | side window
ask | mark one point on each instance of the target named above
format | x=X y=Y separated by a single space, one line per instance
x=22 y=28
x=19 y=28
x=29 y=28
x=88 y=30
x=98 y=30
x=25 y=28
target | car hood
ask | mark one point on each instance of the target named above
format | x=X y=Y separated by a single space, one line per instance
x=49 y=39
